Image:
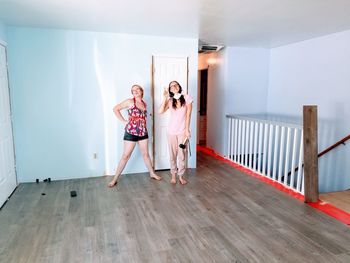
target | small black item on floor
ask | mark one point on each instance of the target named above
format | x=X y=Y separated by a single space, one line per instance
x=43 y=194
x=45 y=180
x=73 y=193
x=37 y=181
x=49 y=179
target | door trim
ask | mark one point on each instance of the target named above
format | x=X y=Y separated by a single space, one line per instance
x=152 y=97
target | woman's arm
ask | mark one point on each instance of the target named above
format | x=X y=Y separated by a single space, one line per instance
x=164 y=106
x=123 y=105
x=188 y=120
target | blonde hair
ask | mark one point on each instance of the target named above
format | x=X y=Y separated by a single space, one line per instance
x=136 y=85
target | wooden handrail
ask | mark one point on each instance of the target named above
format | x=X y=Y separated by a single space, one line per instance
x=342 y=141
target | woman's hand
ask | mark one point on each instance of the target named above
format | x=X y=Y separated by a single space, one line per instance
x=165 y=93
x=164 y=105
x=188 y=134
x=123 y=105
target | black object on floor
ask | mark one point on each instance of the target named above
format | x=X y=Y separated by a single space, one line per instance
x=37 y=181
x=73 y=193
x=45 y=180
x=49 y=179
x=43 y=194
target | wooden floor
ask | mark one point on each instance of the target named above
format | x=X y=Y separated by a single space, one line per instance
x=338 y=199
x=222 y=215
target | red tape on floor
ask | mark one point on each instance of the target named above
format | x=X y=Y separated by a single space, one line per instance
x=324 y=207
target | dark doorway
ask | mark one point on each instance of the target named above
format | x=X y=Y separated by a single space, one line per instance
x=202 y=118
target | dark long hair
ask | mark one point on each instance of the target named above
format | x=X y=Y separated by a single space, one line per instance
x=171 y=94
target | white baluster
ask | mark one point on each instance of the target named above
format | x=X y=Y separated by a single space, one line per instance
x=232 y=139
x=260 y=155
x=286 y=164
x=282 y=153
x=302 y=181
x=229 y=146
x=269 y=151
x=300 y=163
x=243 y=142
x=265 y=148
x=255 y=147
x=235 y=140
x=274 y=166
x=246 y=144
x=239 y=141
x=294 y=153
x=251 y=145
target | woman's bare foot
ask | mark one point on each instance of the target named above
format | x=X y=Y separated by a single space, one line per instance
x=112 y=183
x=156 y=177
x=182 y=180
x=173 y=179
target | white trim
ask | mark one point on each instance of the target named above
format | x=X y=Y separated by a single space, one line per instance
x=171 y=56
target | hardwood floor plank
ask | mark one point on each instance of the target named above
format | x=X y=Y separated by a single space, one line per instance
x=222 y=215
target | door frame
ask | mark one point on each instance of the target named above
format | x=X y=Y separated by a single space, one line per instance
x=199 y=103
x=152 y=96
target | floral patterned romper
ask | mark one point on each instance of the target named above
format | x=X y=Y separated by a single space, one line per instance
x=136 y=128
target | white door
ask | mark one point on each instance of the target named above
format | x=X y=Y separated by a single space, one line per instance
x=8 y=179
x=165 y=69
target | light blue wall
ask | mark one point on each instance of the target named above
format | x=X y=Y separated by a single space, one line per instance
x=216 y=106
x=317 y=71
x=248 y=71
x=3 y=37
x=239 y=76
x=64 y=85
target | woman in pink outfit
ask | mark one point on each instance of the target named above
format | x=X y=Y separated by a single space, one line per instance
x=135 y=132
x=180 y=107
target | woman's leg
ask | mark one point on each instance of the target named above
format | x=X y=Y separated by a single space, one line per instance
x=128 y=148
x=182 y=160
x=173 y=149
x=145 y=155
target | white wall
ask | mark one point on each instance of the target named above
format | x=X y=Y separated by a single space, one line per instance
x=217 y=88
x=248 y=71
x=317 y=71
x=237 y=84
x=64 y=85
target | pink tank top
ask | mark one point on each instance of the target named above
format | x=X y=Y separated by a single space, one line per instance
x=137 y=120
x=177 y=121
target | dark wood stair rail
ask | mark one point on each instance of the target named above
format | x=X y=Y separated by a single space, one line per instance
x=342 y=141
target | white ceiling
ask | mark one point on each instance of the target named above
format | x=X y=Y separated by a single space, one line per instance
x=252 y=23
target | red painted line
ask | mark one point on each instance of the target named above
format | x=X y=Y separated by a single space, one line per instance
x=324 y=207
x=332 y=211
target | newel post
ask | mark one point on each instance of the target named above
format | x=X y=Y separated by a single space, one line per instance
x=310 y=153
